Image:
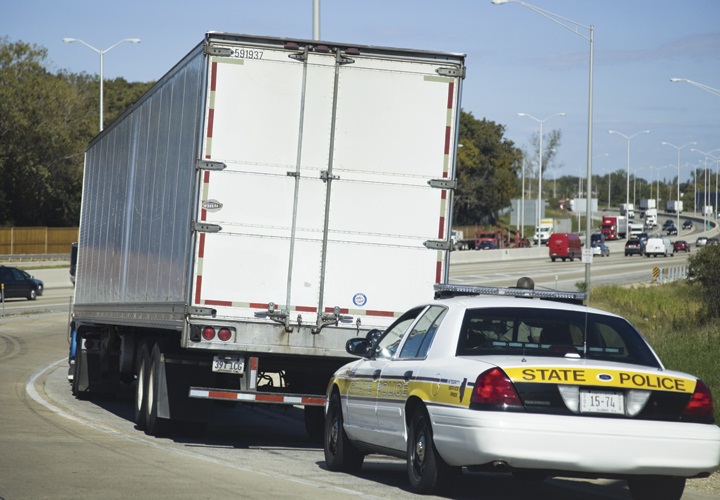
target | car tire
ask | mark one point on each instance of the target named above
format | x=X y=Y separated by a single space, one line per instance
x=32 y=295
x=340 y=454
x=427 y=471
x=656 y=487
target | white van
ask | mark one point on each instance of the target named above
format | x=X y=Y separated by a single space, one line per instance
x=659 y=246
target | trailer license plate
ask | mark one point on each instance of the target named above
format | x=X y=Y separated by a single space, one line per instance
x=602 y=402
x=228 y=364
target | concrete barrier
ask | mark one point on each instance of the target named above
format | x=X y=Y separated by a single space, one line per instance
x=473 y=256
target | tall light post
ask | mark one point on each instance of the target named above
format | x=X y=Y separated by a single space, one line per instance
x=698 y=85
x=575 y=27
x=102 y=53
x=705 y=182
x=677 y=208
x=628 y=138
x=540 y=162
x=657 y=184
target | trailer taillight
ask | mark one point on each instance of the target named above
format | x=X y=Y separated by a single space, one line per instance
x=208 y=333
x=224 y=334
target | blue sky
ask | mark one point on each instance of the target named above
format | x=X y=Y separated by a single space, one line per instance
x=517 y=60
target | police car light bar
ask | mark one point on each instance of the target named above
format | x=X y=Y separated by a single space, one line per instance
x=442 y=290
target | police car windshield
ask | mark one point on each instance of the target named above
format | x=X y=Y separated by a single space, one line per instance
x=552 y=332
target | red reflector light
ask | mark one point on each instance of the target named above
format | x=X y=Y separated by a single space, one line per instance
x=700 y=404
x=224 y=334
x=493 y=387
x=89 y=343
x=208 y=333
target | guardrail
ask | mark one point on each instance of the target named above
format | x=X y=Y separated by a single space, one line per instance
x=37 y=257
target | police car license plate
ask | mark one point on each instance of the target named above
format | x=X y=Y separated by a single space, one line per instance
x=602 y=402
x=228 y=364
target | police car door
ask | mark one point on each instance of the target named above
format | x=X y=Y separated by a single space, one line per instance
x=399 y=375
x=362 y=396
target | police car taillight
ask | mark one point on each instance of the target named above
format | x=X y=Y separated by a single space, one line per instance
x=494 y=391
x=700 y=406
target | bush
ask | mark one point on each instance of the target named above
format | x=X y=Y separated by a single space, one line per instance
x=704 y=272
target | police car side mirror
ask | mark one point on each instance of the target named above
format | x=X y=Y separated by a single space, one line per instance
x=358 y=346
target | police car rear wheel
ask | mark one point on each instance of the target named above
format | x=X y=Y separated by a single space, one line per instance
x=427 y=471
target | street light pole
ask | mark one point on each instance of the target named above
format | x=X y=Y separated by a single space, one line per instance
x=575 y=27
x=627 y=180
x=705 y=181
x=698 y=85
x=540 y=161
x=101 y=53
x=677 y=207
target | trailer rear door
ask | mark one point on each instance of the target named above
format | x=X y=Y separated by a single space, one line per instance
x=331 y=183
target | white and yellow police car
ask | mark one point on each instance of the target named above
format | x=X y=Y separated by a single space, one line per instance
x=526 y=381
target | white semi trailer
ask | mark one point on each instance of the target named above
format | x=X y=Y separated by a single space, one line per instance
x=265 y=201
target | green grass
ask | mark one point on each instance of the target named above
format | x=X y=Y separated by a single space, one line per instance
x=670 y=317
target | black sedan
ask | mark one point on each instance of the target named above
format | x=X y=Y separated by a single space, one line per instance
x=15 y=283
x=671 y=230
x=687 y=224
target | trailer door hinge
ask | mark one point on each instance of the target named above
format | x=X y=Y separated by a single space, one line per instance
x=443 y=183
x=324 y=175
x=437 y=244
x=211 y=50
x=452 y=71
x=209 y=165
x=200 y=311
x=204 y=227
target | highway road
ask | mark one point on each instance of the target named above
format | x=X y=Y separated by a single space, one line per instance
x=54 y=446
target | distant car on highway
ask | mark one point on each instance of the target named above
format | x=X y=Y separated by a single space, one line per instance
x=701 y=241
x=688 y=224
x=633 y=246
x=681 y=246
x=713 y=241
x=487 y=245
x=16 y=283
x=671 y=230
x=601 y=249
x=668 y=223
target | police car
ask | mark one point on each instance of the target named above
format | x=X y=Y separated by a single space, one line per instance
x=525 y=381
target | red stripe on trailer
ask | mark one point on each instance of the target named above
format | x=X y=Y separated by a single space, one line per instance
x=201 y=246
x=438 y=272
x=222 y=395
x=224 y=303
x=269 y=398
x=308 y=309
x=213 y=76
x=441 y=228
x=386 y=314
x=198 y=288
x=258 y=305
x=451 y=93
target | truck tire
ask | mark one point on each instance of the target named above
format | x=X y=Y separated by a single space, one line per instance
x=315 y=422
x=143 y=367
x=154 y=425
x=77 y=366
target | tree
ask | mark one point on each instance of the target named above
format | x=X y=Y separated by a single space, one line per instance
x=704 y=271
x=487 y=171
x=46 y=122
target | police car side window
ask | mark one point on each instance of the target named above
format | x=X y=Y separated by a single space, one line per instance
x=389 y=342
x=420 y=338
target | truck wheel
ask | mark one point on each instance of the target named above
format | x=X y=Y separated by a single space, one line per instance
x=427 y=471
x=154 y=425
x=77 y=366
x=143 y=367
x=340 y=454
x=315 y=422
